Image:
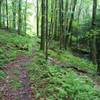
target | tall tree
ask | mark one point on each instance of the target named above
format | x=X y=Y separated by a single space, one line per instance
x=42 y=46
x=3 y=13
x=37 y=18
x=68 y=38
x=66 y=22
x=71 y=21
x=7 y=13
x=14 y=13
x=61 y=20
x=93 y=38
x=19 y=16
x=25 y=17
x=46 y=30
x=0 y=12
x=94 y=13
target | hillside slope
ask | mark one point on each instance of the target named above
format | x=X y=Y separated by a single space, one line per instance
x=54 y=79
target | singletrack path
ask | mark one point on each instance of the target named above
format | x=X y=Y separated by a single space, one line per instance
x=25 y=92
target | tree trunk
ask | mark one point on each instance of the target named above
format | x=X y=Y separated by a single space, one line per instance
x=71 y=22
x=42 y=46
x=46 y=29
x=93 y=39
x=3 y=13
x=14 y=14
x=25 y=17
x=19 y=17
x=68 y=38
x=7 y=13
x=0 y=14
x=37 y=18
x=98 y=53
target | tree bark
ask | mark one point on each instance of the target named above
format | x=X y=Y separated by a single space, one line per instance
x=93 y=38
x=37 y=18
x=0 y=14
x=46 y=29
x=14 y=13
x=42 y=46
x=7 y=13
x=19 y=17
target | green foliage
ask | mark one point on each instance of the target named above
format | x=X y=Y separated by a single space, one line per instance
x=92 y=33
x=2 y=75
x=76 y=61
x=12 y=45
x=53 y=82
x=15 y=84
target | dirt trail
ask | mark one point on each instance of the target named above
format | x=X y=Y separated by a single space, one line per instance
x=23 y=93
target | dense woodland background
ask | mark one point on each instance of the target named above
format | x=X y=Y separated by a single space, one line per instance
x=74 y=24
x=66 y=46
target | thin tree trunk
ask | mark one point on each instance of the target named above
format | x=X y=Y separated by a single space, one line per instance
x=46 y=29
x=0 y=14
x=14 y=14
x=71 y=22
x=68 y=38
x=93 y=38
x=3 y=13
x=25 y=17
x=61 y=23
x=42 y=46
x=37 y=18
x=66 y=22
x=19 y=17
x=7 y=13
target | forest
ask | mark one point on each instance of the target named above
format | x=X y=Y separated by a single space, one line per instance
x=49 y=49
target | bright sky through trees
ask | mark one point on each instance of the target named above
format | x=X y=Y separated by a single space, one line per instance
x=32 y=18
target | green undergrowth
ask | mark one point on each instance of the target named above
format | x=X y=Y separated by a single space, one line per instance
x=13 y=45
x=2 y=74
x=56 y=83
x=48 y=80
x=68 y=58
x=15 y=84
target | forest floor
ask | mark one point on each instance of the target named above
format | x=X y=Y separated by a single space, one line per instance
x=25 y=75
x=79 y=71
x=24 y=92
x=15 y=84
